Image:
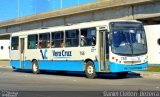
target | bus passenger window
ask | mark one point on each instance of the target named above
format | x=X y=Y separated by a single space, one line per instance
x=62 y=44
x=72 y=38
x=88 y=37
x=14 y=43
x=32 y=41
x=83 y=40
x=48 y=44
x=44 y=40
x=57 y=39
x=40 y=45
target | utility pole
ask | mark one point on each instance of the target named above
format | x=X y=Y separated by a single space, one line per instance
x=35 y=6
x=53 y=4
x=78 y=2
x=61 y=4
x=18 y=8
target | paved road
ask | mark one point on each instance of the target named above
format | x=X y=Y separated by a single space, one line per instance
x=26 y=81
x=50 y=81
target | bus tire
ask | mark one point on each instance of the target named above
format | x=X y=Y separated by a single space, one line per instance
x=122 y=74
x=90 y=70
x=35 y=68
x=13 y=68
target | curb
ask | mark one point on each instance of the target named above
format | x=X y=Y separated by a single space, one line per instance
x=2 y=66
x=150 y=74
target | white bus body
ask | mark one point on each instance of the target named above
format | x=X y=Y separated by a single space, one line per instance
x=95 y=56
x=153 y=42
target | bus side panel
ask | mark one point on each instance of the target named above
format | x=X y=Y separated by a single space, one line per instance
x=27 y=64
x=64 y=65
x=14 y=56
x=54 y=65
x=61 y=65
x=96 y=64
x=114 y=67
x=15 y=63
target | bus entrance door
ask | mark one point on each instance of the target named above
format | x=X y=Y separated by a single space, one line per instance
x=22 y=46
x=104 y=50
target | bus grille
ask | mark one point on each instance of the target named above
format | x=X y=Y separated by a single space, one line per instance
x=132 y=62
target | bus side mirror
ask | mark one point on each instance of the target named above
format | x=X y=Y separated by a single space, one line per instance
x=109 y=38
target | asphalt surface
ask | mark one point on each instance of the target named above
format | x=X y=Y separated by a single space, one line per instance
x=16 y=80
x=51 y=81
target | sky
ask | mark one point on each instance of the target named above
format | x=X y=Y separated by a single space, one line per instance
x=10 y=9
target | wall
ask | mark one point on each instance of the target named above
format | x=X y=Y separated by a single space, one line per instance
x=4 y=49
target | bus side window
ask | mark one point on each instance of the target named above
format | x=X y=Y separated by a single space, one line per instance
x=15 y=43
x=83 y=41
x=62 y=44
x=72 y=38
x=32 y=41
x=57 y=38
x=88 y=37
x=44 y=40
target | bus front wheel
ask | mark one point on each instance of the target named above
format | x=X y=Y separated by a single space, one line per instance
x=90 y=70
x=35 y=68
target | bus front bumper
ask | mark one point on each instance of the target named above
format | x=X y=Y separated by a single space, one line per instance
x=114 y=67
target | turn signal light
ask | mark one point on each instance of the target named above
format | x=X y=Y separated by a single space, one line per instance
x=146 y=56
x=113 y=58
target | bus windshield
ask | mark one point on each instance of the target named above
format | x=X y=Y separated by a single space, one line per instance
x=128 y=38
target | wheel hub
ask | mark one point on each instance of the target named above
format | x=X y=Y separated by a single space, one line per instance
x=35 y=68
x=90 y=69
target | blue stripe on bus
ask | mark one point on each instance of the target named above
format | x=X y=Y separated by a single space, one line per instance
x=75 y=65
x=16 y=64
x=114 y=67
x=54 y=65
x=27 y=64
x=61 y=65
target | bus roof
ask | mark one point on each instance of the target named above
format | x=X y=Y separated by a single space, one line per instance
x=68 y=27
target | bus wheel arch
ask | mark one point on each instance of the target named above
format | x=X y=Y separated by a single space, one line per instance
x=90 y=71
x=35 y=67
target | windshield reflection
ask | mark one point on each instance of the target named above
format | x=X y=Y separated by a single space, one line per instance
x=128 y=41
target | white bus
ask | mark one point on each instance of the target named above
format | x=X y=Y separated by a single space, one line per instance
x=94 y=47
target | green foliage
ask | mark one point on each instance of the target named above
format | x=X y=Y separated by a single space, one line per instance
x=153 y=68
